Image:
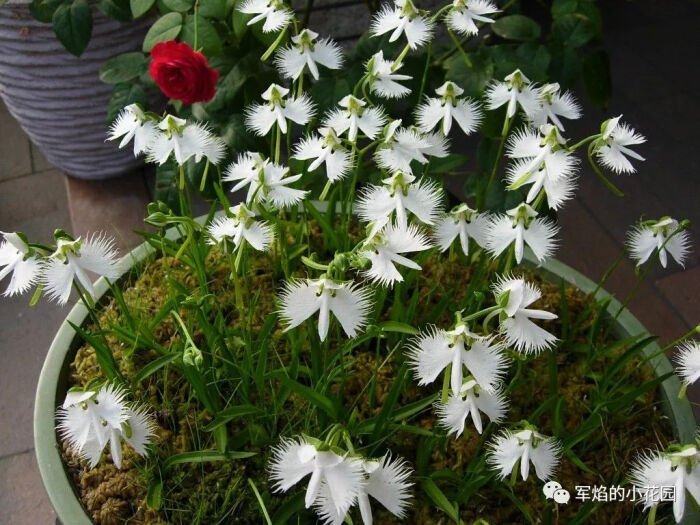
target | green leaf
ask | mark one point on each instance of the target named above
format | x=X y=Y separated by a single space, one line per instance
x=123 y=95
x=516 y=27
x=450 y=163
x=230 y=413
x=123 y=68
x=213 y=9
x=140 y=7
x=72 y=23
x=155 y=365
x=575 y=29
x=204 y=456
x=103 y=353
x=154 y=496
x=313 y=397
x=181 y=6
x=207 y=41
x=596 y=77
x=117 y=9
x=563 y=7
x=166 y=186
x=165 y=28
x=260 y=501
x=328 y=229
x=239 y=20
x=396 y=326
x=438 y=497
x=43 y=10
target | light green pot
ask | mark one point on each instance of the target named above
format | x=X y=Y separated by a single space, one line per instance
x=53 y=384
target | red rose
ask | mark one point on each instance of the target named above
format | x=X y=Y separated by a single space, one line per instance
x=181 y=73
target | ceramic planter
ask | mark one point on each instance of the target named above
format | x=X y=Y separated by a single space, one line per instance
x=54 y=376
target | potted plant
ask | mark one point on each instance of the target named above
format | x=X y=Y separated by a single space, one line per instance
x=377 y=355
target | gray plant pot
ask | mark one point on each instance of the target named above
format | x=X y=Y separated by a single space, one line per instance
x=58 y=98
x=53 y=384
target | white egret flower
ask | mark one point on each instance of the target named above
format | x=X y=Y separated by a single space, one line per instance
x=91 y=420
x=266 y=181
x=326 y=148
x=19 y=260
x=678 y=468
x=518 y=227
x=525 y=446
x=431 y=352
x=663 y=236
x=278 y=108
x=514 y=295
x=184 y=140
x=402 y=18
x=399 y=195
x=401 y=146
x=442 y=110
x=462 y=222
x=471 y=401
x=383 y=79
x=241 y=227
x=334 y=478
x=348 y=302
x=133 y=123
x=688 y=361
x=73 y=259
x=275 y=13
x=309 y=52
x=515 y=89
x=613 y=146
x=355 y=116
x=386 y=480
x=384 y=251
x=542 y=161
x=464 y=15
x=554 y=104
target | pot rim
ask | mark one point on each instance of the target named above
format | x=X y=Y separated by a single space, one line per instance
x=53 y=379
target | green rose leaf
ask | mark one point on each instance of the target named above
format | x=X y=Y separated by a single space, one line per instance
x=516 y=27
x=43 y=10
x=213 y=9
x=165 y=28
x=207 y=41
x=123 y=95
x=117 y=9
x=140 y=7
x=72 y=23
x=576 y=29
x=181 y=6
x=123 y=68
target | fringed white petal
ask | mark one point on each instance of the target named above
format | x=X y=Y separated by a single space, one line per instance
x=260 y=118
x=142 y=429
x=57 y=279
x=429 y=354
x=300 y=300
x=98 y=254
x=688 y=361
x=351 y=305
x=389 y=484
x=545 y=457
x=487 y=362
x=504 y=451
x=288 y=465
x=540 y=237
x=525 y=336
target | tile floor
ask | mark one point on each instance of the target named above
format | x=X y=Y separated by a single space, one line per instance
x=651 y=48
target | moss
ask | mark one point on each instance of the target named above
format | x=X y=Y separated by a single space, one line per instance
x=218 y=492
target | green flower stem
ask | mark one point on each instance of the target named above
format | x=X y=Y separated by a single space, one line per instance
x=439 y=13
x=325 y=191
x=399 y=59
x=459 y=47
x=583 y=142
x=496 y=163
x=278 y=145
x=614 y=189
x=275 y=44
x=428 y=54
x=204 y=176
x=481 y=313
x=690 y=333
x=445 y=392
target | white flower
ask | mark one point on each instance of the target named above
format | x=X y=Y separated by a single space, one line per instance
x=514 y=295
x=541 y=160
x=521 y=226
x=90 y=420
x=433 y=111
x=275 y=13
x=383 y=78
x=470 y=401
x=462 y=222
x=355 y=116
x=266 y=181
x=678 y=469
x=386 y=480
x=325 y=149
x=612 y=148
x=184 y=140
x=464 y=14
x=431 y=352
x=525 y=446
x=133 y=123
x=73 y=259
x=348 y=302
x=400 y=194
x=261 y=117
x=688 y=361
x=334 y=478
x=18 y=259
x=515 y=89
x=240 y=228
x=401 y=146
x=402 y=18
x=664 y=236
x=306 y=51
x=384 y=250
x=554 y=104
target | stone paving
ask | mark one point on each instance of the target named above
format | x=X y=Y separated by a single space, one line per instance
x=651 y=48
